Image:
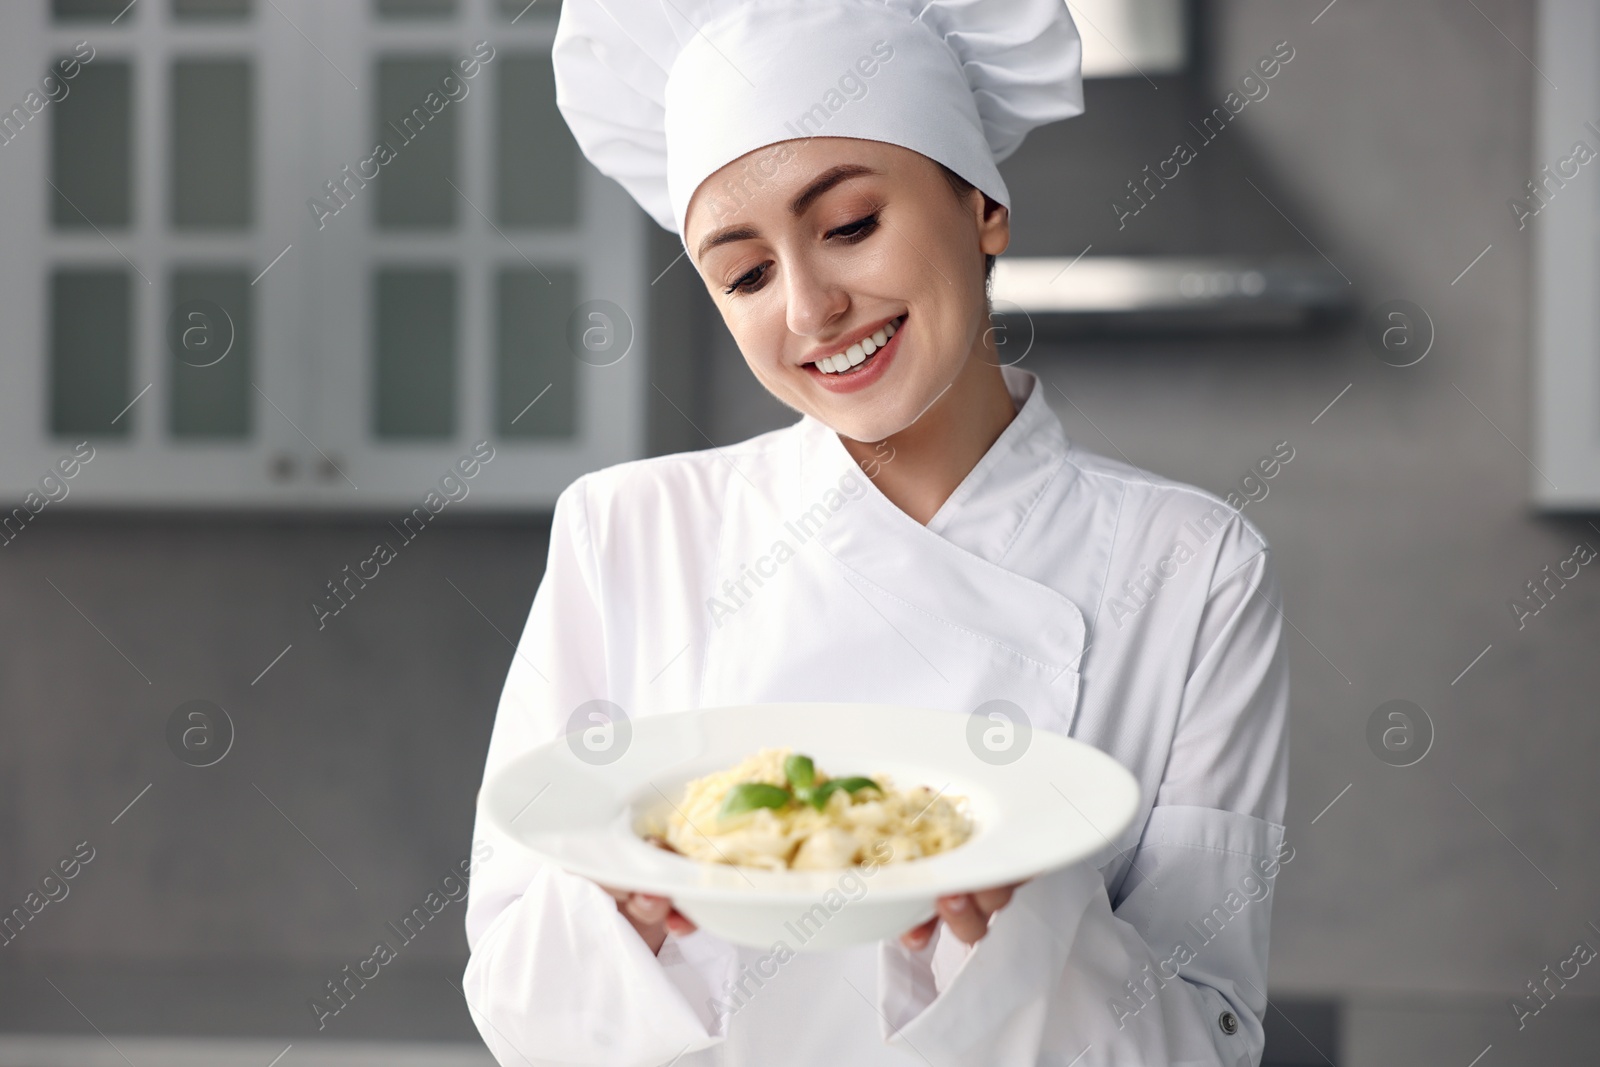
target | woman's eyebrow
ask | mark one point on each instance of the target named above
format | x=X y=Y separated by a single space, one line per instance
x=726 y=236
x=797 y=207
x=825 y=181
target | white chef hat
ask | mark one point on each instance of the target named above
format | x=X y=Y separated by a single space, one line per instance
x=660 y=94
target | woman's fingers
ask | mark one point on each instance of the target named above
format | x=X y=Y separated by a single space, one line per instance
x=992 y=900
x=649 y=914
x=648 y=909
x=968 y=914
x=652 y=909
x=917 y=937
x=962 y=915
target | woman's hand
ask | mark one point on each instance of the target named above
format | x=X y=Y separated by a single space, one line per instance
x=654 y=917
x=966 y=914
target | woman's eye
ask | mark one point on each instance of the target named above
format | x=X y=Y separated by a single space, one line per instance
x=748 y=282
x=854 y=231
x=850 y=232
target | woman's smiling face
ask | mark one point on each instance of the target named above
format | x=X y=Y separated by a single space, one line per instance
x=850 y=273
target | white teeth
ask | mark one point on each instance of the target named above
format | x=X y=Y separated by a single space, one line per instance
x=857 y=353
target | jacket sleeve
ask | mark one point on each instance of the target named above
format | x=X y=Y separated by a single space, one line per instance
x=557 y=975
x=1173 y=972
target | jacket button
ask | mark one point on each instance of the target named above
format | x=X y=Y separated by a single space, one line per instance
x=1229 y=1022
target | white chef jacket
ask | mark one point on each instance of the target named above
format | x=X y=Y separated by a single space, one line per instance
x=1053 y=578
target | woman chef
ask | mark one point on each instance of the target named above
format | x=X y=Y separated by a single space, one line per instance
x=925 y=534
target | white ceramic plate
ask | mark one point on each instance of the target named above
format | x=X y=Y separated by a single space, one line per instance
x=1061 y=801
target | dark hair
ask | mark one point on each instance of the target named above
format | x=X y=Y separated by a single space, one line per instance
x=962 y=188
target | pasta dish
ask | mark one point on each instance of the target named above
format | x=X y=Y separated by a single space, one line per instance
x=777 y=811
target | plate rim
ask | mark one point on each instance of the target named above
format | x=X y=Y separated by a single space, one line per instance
x=1125 y=785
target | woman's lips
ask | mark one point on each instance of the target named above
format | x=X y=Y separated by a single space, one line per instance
x=865 y=373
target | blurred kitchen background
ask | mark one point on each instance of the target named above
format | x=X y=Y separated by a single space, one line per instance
x=273 y=344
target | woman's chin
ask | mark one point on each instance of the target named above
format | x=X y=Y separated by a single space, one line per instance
x=891 y=407
x=867 y=420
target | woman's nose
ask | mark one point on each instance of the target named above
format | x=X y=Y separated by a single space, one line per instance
x=813 y=301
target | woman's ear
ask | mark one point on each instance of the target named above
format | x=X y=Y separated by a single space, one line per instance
x=994 y=227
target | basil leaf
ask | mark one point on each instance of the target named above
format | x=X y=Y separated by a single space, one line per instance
x=748 y=796
x=802 y=774
x=820 y=795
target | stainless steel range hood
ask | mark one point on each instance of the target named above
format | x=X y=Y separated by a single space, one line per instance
x=1102 y=243
x=1116 y=294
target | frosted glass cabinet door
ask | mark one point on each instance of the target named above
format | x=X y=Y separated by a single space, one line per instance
x=213 y=274
x=415 y=191
x=213 y=144
x=139 y=211
x=212 y=355
x=91 y=157
x=535 y=385
x=414 y=331
x=455 y=281
x=536 y=160
x=91 y=330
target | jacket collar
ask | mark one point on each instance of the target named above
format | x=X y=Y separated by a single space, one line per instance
x=953 y=568
x=989 y=508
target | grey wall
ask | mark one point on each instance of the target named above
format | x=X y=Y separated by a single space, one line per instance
x=1401 y=528
x=204 y=908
